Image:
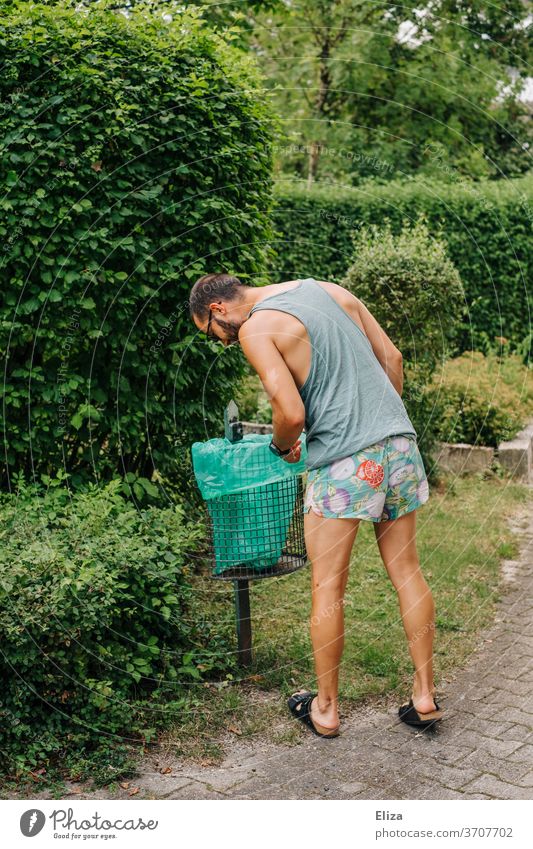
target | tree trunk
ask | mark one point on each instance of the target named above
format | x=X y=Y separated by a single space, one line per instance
x=314 y=152
x=320 y=109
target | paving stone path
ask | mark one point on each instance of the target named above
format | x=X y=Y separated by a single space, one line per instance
x=482 y=750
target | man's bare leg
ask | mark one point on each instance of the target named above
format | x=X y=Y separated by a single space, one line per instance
x=329 y=545
x=397 y=545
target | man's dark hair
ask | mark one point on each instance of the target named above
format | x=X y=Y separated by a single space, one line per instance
x=213 y=287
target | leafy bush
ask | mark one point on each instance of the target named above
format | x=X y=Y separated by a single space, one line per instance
x=96 y=615
x=252 y=399
x=486 y=227
x=482 y=399
x=412 y=288
x=135 y=156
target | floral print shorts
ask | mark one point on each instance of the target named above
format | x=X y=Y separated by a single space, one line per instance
x=378 y=483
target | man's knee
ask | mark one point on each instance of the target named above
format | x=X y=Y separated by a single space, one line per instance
x=331 y=582
x=403 y=566
x=324 y=609
x=328 y=591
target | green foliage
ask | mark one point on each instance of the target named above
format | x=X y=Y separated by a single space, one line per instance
x=388 y=90
x=411 y=287
x=414 y=291
x=100 y=632
x=252 y=400
x=486 y=228
x=481 y=399
x=232 y=17
x=135 y=156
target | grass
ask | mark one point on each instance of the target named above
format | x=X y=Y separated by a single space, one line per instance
x=462 y=536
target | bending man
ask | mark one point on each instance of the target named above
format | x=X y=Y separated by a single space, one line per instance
x=327 y=365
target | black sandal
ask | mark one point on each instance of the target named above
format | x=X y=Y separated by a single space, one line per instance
x=411 y=716
x=300 y=707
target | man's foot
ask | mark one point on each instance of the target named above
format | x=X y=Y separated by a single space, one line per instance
x=424 y=702
x=324 y=721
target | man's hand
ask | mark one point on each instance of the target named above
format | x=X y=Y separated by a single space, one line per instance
x=295 y=453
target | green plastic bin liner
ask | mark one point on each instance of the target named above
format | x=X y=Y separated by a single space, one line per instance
x=251 y=497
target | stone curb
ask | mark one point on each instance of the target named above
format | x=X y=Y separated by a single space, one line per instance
x=515 y=456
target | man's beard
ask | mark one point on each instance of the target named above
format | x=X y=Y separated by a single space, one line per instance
x=231 y=329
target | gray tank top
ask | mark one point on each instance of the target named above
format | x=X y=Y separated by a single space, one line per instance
x=349 y=401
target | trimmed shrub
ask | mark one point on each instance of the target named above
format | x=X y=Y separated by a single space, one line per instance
x=135 y=156
x=414 y=291
x=481 y=399
x=486 y=228
x=411 y=287
x=97 y=614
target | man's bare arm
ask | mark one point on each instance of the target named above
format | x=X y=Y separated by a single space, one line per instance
x=385 y=350
x=288 y=413
x=390 y=358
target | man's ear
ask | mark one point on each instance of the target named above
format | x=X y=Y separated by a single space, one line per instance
x=219 y=307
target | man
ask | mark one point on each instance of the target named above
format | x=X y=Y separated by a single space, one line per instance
x=328 y=366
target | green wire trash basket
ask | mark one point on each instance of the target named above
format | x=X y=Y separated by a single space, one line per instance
x=254 y=503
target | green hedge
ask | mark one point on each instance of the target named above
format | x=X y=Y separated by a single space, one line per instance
x=486 y=227
x=135 y=155
x=100 y=631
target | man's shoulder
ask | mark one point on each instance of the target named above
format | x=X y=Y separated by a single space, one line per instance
x=255 y=323
x=339 y=293
x=333 y=288
x=262 y=319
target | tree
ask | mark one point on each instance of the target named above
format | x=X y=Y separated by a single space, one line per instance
x=380 y=91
